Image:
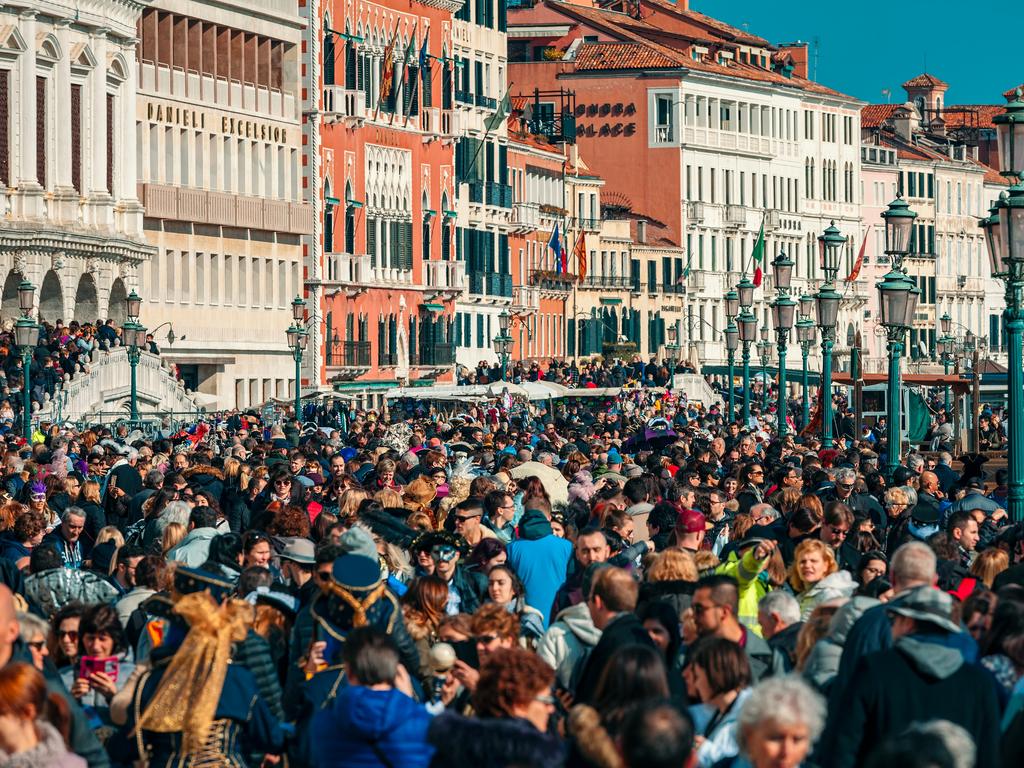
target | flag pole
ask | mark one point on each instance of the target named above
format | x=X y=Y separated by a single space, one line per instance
x=391 y=49
x=405 y=66
x=425 y=61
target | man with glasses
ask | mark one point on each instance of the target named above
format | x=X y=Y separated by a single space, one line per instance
x=844 y=490
x=468 y=516
x=835 y=531
x=715 y=606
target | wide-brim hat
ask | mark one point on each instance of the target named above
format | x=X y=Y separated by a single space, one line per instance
x=927 y=605
x=190 y=580
x=427 y=540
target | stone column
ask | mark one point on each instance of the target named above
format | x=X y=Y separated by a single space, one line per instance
x=94 y=172
x=28 y=202
x=65 y=202
x=125 y=192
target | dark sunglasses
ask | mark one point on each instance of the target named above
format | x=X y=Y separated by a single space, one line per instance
x=70 y=634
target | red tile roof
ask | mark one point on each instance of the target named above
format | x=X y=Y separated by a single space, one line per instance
x=726 y=31
x=983 y=114
x=595 y=56
x=873 y=115
x=992 y=176
x=661 y=54
x=1010 y=94
x=925 y=81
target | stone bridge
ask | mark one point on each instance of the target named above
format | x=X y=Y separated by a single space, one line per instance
x=101 y=393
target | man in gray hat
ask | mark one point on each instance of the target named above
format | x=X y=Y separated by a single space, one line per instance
x=922 y=677
x=298 y=560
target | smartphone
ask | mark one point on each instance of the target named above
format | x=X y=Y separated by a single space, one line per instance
x=465 y=651
x=88 y=665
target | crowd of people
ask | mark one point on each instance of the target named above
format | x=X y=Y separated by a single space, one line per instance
x=61 y=350
x=632 y=582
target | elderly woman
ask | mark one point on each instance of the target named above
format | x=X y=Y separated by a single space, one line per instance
x=778 y=724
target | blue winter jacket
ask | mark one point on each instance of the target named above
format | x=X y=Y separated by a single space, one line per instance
x=343 y=734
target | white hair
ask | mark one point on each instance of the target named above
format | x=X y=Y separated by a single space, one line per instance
x=72 y=511
x=783 y=603
x=175 y=512
x=913 y=564
x=785 y=700
x=955 y=739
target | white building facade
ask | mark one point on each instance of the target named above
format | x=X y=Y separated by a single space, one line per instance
x=72 y=221
x=218 y=120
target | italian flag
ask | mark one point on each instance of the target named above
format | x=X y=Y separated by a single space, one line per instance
x=758 y=256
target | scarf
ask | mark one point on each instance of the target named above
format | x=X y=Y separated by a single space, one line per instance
x=186 y=700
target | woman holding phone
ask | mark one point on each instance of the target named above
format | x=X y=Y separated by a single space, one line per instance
x=103 y=665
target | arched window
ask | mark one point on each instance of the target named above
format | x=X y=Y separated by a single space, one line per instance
x=350 y=221
x=328 y=219
x=329 y=53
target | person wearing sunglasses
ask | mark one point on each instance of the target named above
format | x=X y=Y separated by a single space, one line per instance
x=751 y=490
x=63 y=639
x=33 y=631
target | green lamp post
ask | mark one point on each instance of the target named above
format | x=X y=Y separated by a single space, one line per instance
x=732 y=309
x=26 y=334
x=503 y=343
x=898 y=297
x=783 y=312
x=298 y=338
x=806 y=334
x=827 y=301
x=946 y=344
x=133 y=336
x=1005 y=237
x=747 y=325
x=672 y=353
x=764 y=351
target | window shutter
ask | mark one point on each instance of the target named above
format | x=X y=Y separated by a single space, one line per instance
x=371 y=240
x=41 y=123
x=350 y=66
x=328 y=57
x=76 y=137
x=427 y=85
x=5 y=127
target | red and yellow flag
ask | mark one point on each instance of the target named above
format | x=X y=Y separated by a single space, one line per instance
x=581 y=256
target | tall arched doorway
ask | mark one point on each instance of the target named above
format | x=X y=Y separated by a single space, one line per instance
x=116 y=309
x=87 y=302
x=11 y=307
x=51 y=299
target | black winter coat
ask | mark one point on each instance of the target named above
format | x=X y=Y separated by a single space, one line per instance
x=894 y=688
x=492 y=743
x=624 y=629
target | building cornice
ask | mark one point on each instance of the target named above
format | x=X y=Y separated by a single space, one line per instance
x=33 y=238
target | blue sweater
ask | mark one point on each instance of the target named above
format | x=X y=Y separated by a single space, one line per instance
x=343 y=733
x=542 y=565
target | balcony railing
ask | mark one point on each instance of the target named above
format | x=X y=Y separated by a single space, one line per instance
x=445 y=275
x=735 y=215
x=476 y=192
x=349 y=268
x=548 y=280
x=463 y=97
x=772 y=220
x=486 y=101
x=341 y=102
x=695 y=210
x=525 y=216
x=348 y=354
x=525 y=296
x=621 y=282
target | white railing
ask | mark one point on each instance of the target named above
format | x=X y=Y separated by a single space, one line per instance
x=104 y=386
x=445 y=275
x=525 y=215
x=348 y=268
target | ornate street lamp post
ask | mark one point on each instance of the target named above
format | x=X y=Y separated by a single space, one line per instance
x=503 y=343
x=133 y=335
x=298 y=337
x=764 y=351
x=26 y=334
x=732 y=309
x=946 y=344
x=827 y=300
x=898 y=297
x=783 y=311
x=672 y=353
x=806 y=334
x=747 y=327
x=1005 y=236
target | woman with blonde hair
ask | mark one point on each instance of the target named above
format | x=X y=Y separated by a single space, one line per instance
x=349 y=501
x=815 y=577
x=989 y=564
x=671 y=577
x=173 y=534
x=388 y=497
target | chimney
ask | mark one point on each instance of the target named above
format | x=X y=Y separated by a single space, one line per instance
x=798 y=51
x=641 y=231
x=903 y=121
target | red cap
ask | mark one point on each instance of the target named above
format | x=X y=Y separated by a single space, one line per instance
x=691 y=521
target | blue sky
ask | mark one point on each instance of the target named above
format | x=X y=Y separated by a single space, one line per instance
x=866 y=47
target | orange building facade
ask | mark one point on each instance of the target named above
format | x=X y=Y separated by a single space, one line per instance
x=381 y=274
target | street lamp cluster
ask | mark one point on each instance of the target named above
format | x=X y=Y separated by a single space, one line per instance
x=133 y=336
x=783 y=311
x=26 y=334
x=806 y=335
x=1004 y=231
